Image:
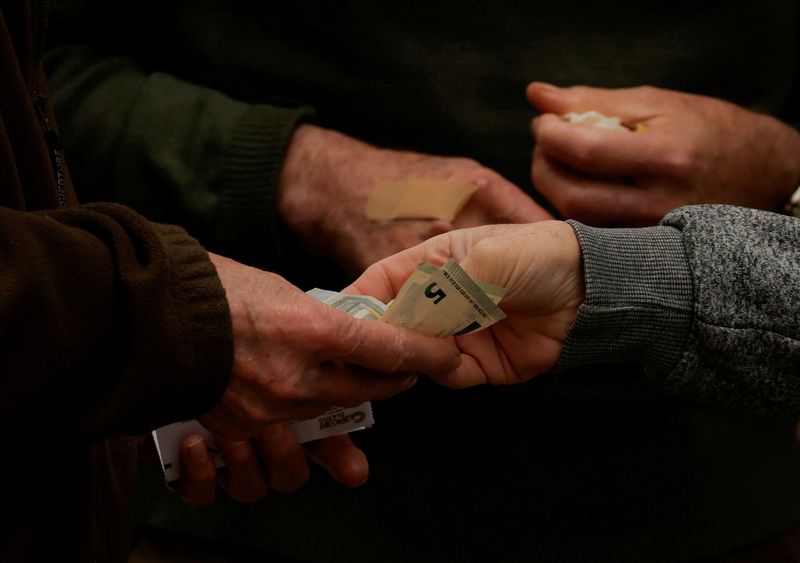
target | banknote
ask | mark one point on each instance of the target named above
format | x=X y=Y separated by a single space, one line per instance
x=358 y=306
x=444 y=301
x=426 y=269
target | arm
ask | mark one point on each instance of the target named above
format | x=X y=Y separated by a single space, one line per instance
x=736 y=342
x=173 y=150
x=706 y=302
x=111 y=324
x=253 y=181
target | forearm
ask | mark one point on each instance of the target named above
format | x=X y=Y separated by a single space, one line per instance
x=707 y=302
x=112 y=324
x=174 y=151
x=744 y=347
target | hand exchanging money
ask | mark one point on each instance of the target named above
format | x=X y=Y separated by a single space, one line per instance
x=539 y=265
x=295 y=357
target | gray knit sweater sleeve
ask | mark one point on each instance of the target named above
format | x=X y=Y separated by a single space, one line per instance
x=708 y=302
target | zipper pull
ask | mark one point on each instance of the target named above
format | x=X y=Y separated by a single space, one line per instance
x=54 y=144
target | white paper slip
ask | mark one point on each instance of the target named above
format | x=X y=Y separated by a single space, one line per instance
x=168 y=443
x=337 y=420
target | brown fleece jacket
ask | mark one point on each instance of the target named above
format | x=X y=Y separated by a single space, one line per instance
x=109 y=325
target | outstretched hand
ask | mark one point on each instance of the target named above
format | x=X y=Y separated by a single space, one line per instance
x=689 y=149
x=327 y=178
x=538 y=264
x=295 y=357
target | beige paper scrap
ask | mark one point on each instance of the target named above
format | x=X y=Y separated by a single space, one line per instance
x=597 y=119
x=418 y=198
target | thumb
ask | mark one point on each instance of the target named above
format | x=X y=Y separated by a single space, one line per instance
x=629 y=104
x=548 y=98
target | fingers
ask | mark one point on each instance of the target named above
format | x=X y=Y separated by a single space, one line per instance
x=242 y=477
x=283 y=457
x=350 y=385
x=382 y=347
x=631 y=105
x=596 y=201
x=499 y=201
x=384 y=279
x=602 y=151
x=468 y=374
x=346 y=463
x=198 y=483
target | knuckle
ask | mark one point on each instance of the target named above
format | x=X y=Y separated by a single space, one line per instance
x=288 y=393
x=646 y=90
x=321 y=332
x=254 y=413
x=487 y=251
x=399 y=350
x=586 y=154
x=679 y=161
x=465 y=162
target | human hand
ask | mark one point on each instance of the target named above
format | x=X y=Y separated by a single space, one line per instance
x=691 y=149
x=295 y=357
x=540 y=267
x=272 y=459
x=326 y=180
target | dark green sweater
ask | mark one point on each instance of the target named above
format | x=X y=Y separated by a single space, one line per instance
x=590 y=465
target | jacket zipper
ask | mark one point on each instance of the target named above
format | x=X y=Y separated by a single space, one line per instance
x=54 y=145
x=50 y=135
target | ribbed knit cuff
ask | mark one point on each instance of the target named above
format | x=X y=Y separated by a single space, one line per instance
x=639 y=302
x=207 y=332
x=248 y=226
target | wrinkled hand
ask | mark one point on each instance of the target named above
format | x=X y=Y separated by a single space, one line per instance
x=692 y=149
x=272 y=459
x=538 y=264
x=295 y=357
x=326 y=180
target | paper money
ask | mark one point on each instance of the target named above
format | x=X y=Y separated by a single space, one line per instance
x=596 y=119
x=444 y=301
x=358 y=306
x=434 y=300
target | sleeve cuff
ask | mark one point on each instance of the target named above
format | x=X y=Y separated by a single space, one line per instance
x=206 y=329
x=639 y=299
x=248 y=225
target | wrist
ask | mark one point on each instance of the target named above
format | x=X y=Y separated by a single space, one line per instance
x=314 y=163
